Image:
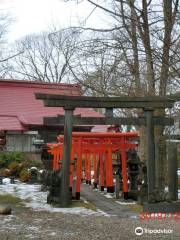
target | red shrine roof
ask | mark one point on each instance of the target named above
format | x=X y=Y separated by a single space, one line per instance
x=19 y=108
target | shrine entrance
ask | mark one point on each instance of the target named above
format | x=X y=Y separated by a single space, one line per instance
x=69 y=103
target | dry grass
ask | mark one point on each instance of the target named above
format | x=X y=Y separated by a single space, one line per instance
x=136 y=208
x=81 y=203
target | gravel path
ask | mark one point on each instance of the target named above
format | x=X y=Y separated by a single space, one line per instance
x=29 y=224
x=106 y=203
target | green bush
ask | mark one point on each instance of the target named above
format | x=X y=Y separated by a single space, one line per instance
x=16 y=164
x=7 y=157
x=34 y=163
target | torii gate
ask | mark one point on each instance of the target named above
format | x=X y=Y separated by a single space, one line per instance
x=93 y=143
x=69 y=103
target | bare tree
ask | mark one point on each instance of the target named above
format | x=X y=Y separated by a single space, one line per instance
x=146 y=32
x=99 y=68
x=44 y=57
x=5 y=22
x=146 y=35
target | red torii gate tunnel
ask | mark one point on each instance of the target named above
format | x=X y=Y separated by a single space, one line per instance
x=94 y=151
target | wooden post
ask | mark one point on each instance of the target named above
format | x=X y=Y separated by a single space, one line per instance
x=109 y=169
x=95 y=170
x=79 y=169
x=65 y=197
x=117 y=186
x=86 y=167
x=89 y=167
x=109 y=112
x=54 y=158
x=101 y=160
x=172 y=171
x=150 y=153
x=72 y=168
x=124 y=168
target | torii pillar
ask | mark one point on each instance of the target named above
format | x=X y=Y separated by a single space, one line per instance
x=65 y=194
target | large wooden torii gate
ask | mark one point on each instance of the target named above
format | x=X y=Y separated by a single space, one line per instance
x=69 y=103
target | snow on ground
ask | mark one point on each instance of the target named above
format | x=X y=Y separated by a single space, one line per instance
x=126 y=203
x=108 y=195
x=36 y=199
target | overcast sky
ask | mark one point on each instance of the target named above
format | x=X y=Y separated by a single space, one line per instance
x=32 y=16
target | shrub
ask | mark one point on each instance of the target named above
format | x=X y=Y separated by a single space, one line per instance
x=4 y=160
x=4 y=172
x=16 y=164
x=18 y=156
x=24 y=175
x=34 y=163
x=15 y=168
x=7 y=157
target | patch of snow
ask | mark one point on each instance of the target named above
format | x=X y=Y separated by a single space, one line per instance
x=95 y=189
x=134 y=217
x=52 y=234
x=103 y=213
x=6 y=180
x=37 y=199
x=29 y=236
x=33 y=228
x=125 y=203
x=108 y=196
x=8 y=218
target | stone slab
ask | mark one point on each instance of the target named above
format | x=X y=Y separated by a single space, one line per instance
x=162 y=207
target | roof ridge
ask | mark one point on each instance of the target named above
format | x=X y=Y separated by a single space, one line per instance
x=27 y=83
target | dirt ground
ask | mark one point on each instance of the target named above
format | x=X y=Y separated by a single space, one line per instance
x=42 y=223
x=25 y=223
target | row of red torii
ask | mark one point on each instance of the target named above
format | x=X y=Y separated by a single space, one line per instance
x=97 y=149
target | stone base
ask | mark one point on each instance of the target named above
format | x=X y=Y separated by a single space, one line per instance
x=102 y=188
x=77 y=196
x=133 y=194
x=125 y=195
x=162 y=207
x=110 y=189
